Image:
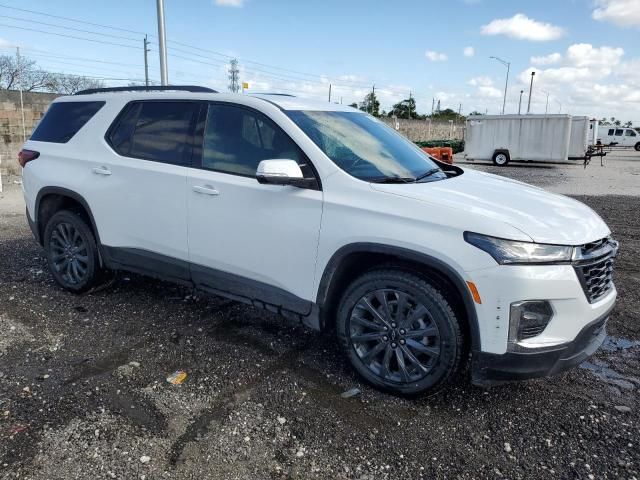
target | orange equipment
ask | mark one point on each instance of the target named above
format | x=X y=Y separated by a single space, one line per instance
x=444 y=154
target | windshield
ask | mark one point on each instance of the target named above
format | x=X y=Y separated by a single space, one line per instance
x=365 y=147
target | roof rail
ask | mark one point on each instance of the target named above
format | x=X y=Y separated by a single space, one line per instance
x=277 y=94
x=183 y=88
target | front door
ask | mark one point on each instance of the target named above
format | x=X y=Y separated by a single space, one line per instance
x=252 y=240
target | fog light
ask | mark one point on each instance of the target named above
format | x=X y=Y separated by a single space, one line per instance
x=528 y=319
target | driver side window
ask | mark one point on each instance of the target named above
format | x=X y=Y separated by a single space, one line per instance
x=237 y=139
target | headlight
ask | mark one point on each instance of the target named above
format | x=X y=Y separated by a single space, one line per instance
x=507 y=252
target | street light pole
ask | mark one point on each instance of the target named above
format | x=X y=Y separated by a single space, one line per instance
x=162 y=43
x=530 y=90
x=520 y=102
x=546 y=108
x=506 y=82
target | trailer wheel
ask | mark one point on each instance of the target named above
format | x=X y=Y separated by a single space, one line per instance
x=637 y=147
x=501 y=158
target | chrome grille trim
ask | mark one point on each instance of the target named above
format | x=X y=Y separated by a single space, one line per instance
x=593 y=263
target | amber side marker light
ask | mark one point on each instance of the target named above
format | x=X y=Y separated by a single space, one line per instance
x=25 y=156
x=474 y=292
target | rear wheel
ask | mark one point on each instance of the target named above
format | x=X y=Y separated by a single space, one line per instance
x=72 y=252
x=500 y=159
x=399 y=332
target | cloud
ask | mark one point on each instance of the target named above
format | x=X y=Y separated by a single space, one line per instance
x=469 y=51
x=489 y=92
x=5 y=43
x=229 y=3
x=482 y=81
x=585 y=55
x=435 y=56
x=523 y=28
x=550 y=59
x=624 y=13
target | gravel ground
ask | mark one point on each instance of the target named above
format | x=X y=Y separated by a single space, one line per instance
x=83 y=390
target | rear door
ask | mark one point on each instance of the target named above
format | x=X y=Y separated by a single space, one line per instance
x=138 y=187
x=618 y=136
x=256 y=241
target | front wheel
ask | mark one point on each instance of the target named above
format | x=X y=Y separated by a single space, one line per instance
x=72 y=252
x=399 y=332
x=637 y=147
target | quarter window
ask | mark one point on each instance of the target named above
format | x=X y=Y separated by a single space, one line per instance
x=63 y=120
x=237 y=139
x=611 y=130
x=157 y=131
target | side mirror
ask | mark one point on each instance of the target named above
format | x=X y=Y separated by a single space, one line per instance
x=282 y=172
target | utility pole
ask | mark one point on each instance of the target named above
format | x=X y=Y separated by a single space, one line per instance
x=162 y=43
x=19 y=69
x=329 y=93
x=433 y=102
x=146 y=62
x=530 y=91
x=409 y=105
x=373 y=98
x=234 y=76
x=546 y=108
x=506 y=83
x=520 y=102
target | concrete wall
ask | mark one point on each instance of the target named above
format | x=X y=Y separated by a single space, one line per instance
x=35 y=104
x=422 y=130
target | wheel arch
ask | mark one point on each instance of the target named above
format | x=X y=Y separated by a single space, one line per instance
x=354 y=259
x=53 y=199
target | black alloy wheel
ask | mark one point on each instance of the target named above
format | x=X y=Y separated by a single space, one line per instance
x=399 y=332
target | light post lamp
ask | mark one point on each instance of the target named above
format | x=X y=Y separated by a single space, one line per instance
x=530 y=90
x=506 y=82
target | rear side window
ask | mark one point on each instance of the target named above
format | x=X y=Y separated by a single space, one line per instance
x=610 y=131
x=157 y=131
x=63 y=120
x=618 y=132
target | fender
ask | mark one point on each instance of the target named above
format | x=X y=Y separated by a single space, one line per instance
x=409 y=255
x=65 y=192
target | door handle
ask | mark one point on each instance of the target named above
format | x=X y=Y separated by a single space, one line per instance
x=206 y=189
x=101 y=171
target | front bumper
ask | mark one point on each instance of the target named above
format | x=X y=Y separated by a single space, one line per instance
x=491 y=369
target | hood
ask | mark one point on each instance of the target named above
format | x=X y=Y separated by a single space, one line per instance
x=545 y=217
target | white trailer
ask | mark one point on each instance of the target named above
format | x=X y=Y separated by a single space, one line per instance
x=539 y=138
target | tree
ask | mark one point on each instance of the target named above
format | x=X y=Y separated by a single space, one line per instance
x=446 y=115
x=371 y=104
x=475 y=112
x=404 y=109
x=354 y=105
x=629 y=124
x=25 y=74
x=70 y=84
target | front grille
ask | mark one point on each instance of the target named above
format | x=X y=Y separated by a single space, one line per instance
x=594 y=267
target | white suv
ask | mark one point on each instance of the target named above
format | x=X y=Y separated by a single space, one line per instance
x=322 y=213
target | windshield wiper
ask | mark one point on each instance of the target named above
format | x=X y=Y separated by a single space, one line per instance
x=428 y=173
x=392 y=180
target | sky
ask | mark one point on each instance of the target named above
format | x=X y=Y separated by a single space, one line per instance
x=585 y=53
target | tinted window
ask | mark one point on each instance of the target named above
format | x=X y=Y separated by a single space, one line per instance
x=157 y=131
x=365 y=147
x=610 y=131
x=63 y=120
x=618 y=132
x=630 y=133
x=237 y=139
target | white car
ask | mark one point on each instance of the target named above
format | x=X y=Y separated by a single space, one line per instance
x=322 y=213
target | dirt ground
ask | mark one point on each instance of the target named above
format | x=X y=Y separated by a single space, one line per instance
x=83 y=390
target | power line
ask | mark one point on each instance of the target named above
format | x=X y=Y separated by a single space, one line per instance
x=69 y=28
x=69 y=36
x=69 y=19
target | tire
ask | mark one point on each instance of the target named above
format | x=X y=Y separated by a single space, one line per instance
x=637 y=147
x=427 y=332
x=72 y=252
x=500 y=159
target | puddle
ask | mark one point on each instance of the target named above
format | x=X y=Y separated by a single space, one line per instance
x=603 y=371
x=613 y=344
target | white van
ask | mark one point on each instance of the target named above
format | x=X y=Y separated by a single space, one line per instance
x=619 y=136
